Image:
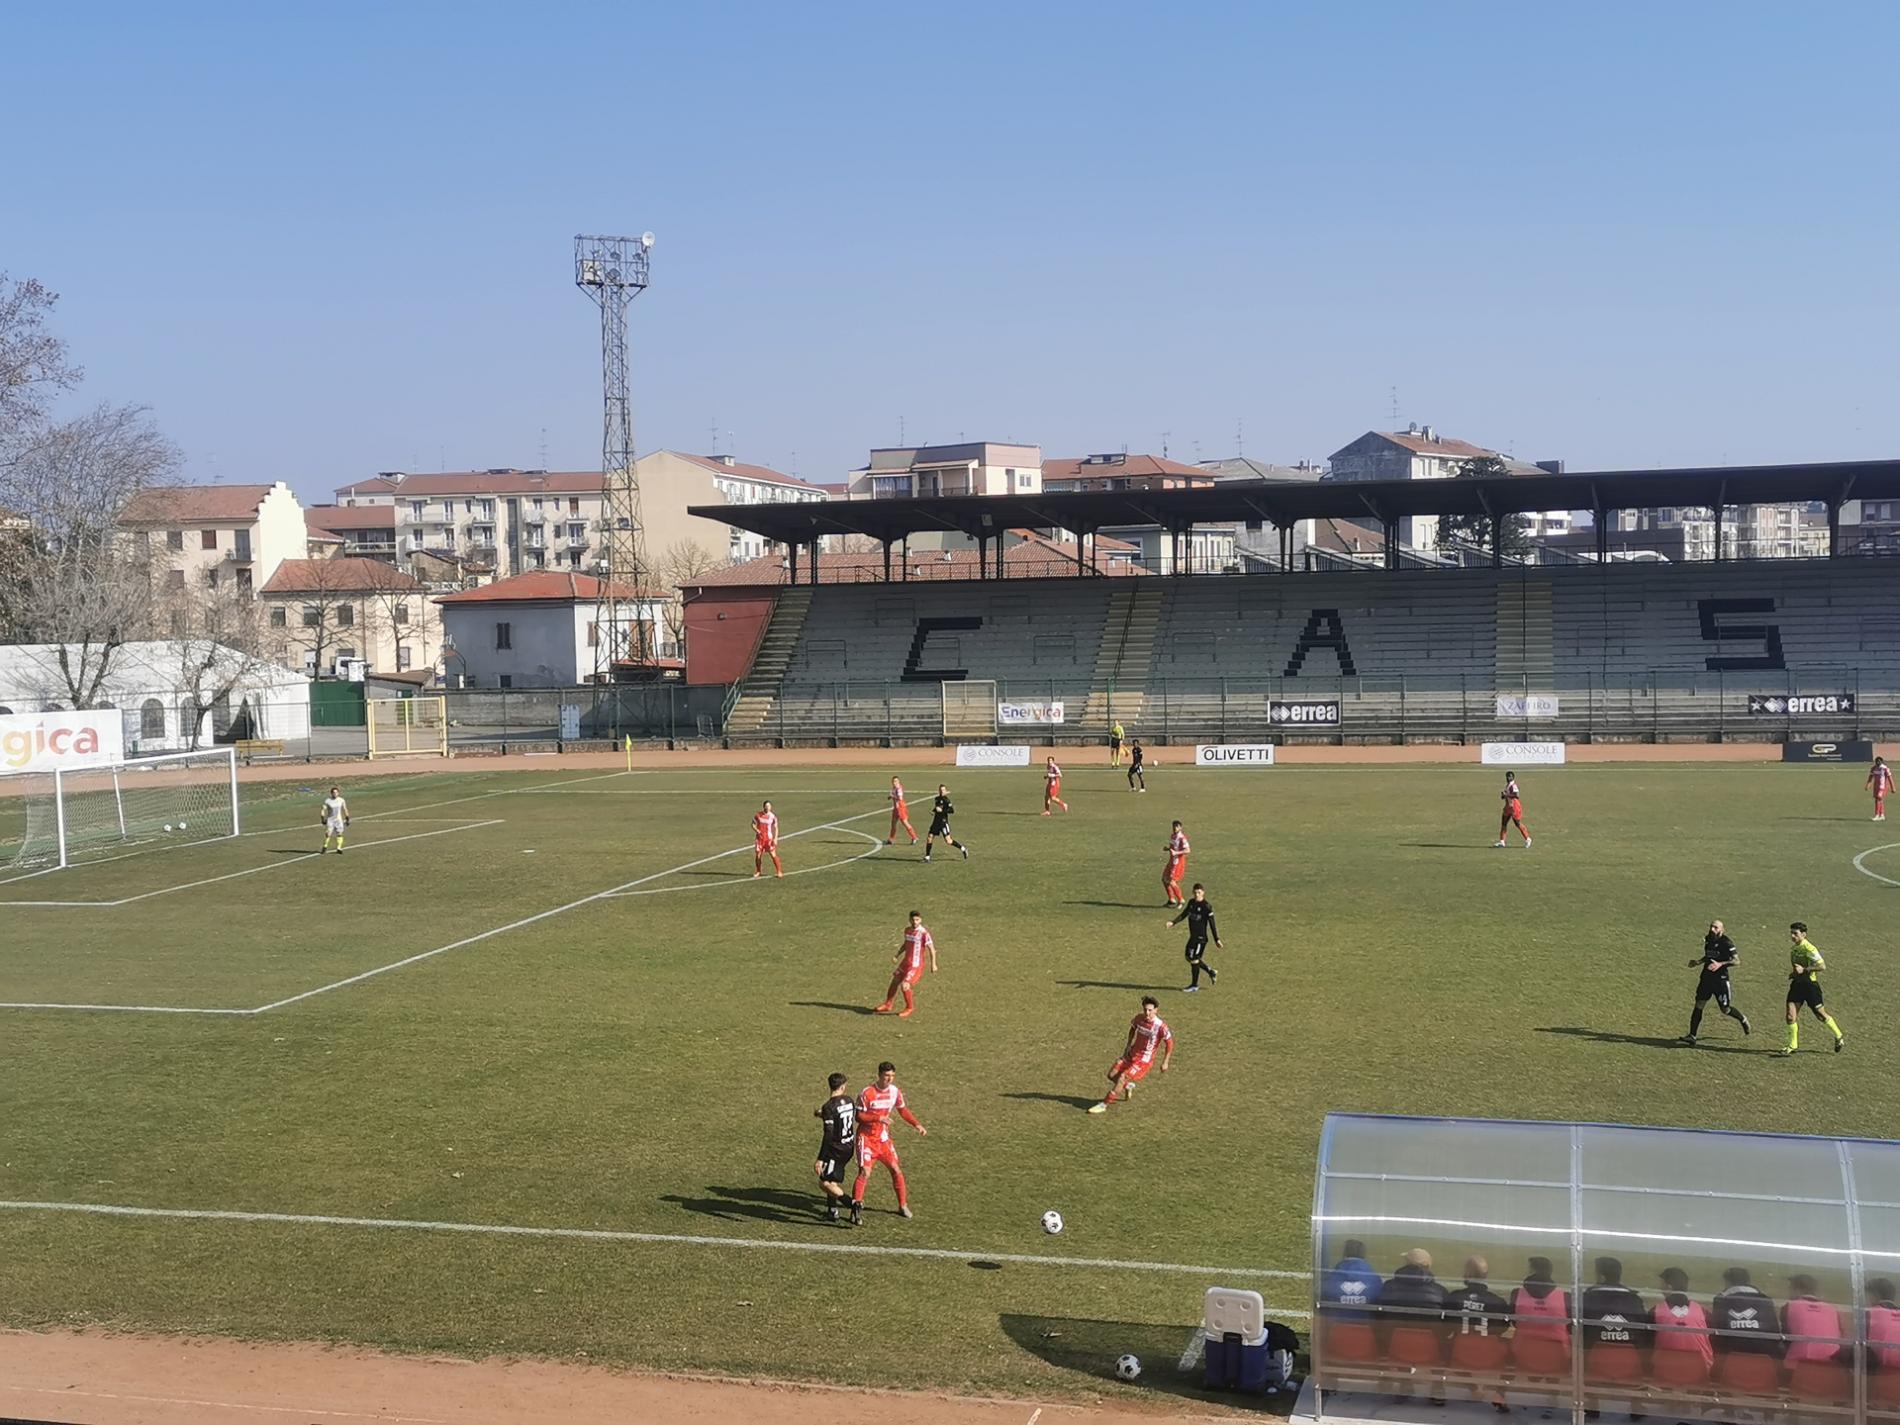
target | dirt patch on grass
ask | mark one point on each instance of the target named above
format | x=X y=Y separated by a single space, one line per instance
x=100 y=1378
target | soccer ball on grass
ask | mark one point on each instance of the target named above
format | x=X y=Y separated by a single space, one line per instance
x=1128 y=1367
x=168 y=826
x=1052 y=1222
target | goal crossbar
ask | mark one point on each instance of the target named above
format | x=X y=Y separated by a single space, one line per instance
x=65 y=814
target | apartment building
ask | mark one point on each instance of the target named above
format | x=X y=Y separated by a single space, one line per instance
x=228 y=537
x=499 y=522
x=1421 y=453
x=1748 y=531
x=365 y=531
x=671 y=480
x=981 y=467
x=1207 y=548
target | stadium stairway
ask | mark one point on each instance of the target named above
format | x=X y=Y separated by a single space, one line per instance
x=1526 y=635
x=767 y=674
x=1127 y=655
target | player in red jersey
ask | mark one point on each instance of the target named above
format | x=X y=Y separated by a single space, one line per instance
x=1880 y=783
x=1177 y=849
x=900 y=814
x=875 y=1107
x=1052 y=787
x=765 y=842
x=1146 y=1033
x=1513 y=811
x=918 y=942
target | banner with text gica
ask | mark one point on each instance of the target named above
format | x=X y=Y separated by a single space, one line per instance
x=1234 y=754
x=982 y=756
x=63 y=741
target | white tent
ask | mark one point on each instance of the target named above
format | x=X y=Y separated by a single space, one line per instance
x=158 y=685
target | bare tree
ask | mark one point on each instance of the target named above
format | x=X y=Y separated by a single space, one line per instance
x=87 y=589
x=683 y=563
x=219 y=639
x=32 y=362
x=400 y=609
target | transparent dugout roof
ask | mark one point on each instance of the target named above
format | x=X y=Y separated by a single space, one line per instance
x=1654 y=1198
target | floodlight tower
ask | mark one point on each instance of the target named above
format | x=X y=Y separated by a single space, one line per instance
x=613 y=271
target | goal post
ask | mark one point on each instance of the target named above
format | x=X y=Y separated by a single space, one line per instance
x=55 y=819
x=408 y=727
x=969 y=709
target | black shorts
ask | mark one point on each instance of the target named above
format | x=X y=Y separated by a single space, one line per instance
x=1805 y=989
x=1196 y=947
x=939 y=826
x=1116 y=743
x=1712 y=986
x=832 y=1169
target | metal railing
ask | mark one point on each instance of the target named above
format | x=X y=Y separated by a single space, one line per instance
x=1662 y=705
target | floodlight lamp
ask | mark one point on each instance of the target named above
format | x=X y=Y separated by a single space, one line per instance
x=646 y=241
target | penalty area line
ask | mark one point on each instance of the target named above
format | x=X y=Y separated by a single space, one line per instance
x=741 y=879
x=539 y=916
x=248 y=871
x=663 y=1239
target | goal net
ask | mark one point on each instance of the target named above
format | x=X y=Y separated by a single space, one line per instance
x=415 y=727
x=969 y=709
x=51 y=819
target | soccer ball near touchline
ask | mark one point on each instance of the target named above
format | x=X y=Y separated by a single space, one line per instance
x=1052 y=1222
x=1128 y=1367
x=168 y=826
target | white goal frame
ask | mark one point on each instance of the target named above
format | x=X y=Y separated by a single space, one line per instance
x=118 y=772
x=969 y=708
x=415 y=727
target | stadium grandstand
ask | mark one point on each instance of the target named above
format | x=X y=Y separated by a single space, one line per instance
x=899 y=647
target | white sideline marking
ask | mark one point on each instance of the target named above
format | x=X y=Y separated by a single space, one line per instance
x=711 y=791
x=1035 y=1415
x=248 y=871
x=1858 y=860
x=681 y=1239
x=131 y=1008
x=527 y=920
x=876 y=846
x=1198 y=1343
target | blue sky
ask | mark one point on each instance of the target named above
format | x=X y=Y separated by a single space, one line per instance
x=321 y=243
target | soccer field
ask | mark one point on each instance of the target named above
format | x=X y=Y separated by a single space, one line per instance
x=557 y=1010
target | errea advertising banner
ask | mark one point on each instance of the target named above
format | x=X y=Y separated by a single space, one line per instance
x=61 y=741
x=1234 y=754
x=984 y=756
x=1521 y=754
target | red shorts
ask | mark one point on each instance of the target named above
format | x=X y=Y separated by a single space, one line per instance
x=872 y=1151
x=900 y=811
x=1177 y=868
x=909 y=974
x=1136 y=1069
x=1052 y=789
x=1514 y=810
x=765 y=847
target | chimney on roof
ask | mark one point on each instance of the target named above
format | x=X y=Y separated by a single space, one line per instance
x=1429 y=433
x=394 y=477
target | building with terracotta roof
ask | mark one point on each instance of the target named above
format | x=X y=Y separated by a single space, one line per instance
x=367 y=530
x=321 y=612
x=540 y=630
x=1207 y=548
x=216 y=536
x=507 y=522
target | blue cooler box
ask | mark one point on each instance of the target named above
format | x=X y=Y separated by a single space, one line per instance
x=1237 y=1364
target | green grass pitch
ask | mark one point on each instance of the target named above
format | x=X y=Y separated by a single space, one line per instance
x=648 y=1063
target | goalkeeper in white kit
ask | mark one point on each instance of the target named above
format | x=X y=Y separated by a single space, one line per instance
x=335 y=818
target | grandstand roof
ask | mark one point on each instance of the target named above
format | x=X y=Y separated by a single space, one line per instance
x=1285 y=502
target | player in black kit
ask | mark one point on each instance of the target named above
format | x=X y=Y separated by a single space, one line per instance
x=1136 y=772
x=940 y=813
x=1718 y=957
x=840 y=1146
x=1199 y=914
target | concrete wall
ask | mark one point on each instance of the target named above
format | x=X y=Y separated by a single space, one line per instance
x=723 y=628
